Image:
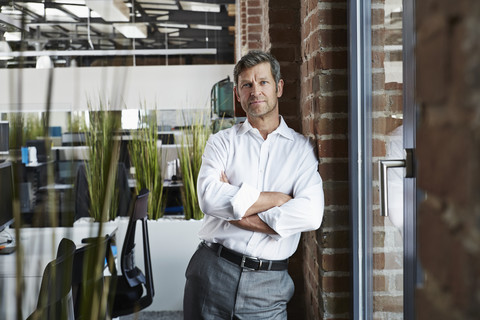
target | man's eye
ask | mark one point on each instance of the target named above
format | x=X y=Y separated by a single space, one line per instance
x=247 y=85
x=264 y=82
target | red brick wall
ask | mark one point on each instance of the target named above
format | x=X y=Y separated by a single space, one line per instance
x=448 y=86
x=324 y=105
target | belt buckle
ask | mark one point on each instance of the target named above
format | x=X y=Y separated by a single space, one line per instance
x=244 y=258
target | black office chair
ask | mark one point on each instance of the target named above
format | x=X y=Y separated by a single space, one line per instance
x=90 y=300
x=55 y=297
x=129 y=294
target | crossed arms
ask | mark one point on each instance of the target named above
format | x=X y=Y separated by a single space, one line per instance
x=267 y=200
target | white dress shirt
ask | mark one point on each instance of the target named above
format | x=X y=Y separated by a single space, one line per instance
x=284 y=162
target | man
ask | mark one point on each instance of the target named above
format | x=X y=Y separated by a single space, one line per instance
x=259 y=189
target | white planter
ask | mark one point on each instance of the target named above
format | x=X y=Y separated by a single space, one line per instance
x=172 y=243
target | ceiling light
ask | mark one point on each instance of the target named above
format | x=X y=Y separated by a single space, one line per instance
x=163 y=18
x=5 y=48
x=52 y=14
x=167 y=30
x=78 y=2
x=205 y=27
x=173 y=25
x=162 y=6
x=132 y=30
x=200 y=6
x=10 y=10
x=150 y=2
x=154 y=11
x=13 y=36
x=80 y=11
x=177 y=42
x=110 y=10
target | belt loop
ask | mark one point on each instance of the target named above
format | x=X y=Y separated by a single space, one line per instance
x=219 y=250
x=269 y=265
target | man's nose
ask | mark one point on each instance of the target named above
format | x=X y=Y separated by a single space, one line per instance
x=255 y=89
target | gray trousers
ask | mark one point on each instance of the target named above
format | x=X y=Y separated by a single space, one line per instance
x=218 y=289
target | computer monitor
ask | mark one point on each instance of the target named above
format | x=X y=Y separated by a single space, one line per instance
x=41 y=149
x=4 y=137
x=6 y=195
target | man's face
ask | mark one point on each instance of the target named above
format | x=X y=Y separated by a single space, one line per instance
x=256 y=91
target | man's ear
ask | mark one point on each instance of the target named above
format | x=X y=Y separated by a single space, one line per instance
x=236 y=93
x=280 y=88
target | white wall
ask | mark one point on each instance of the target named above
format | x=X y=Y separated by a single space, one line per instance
x=163 y=87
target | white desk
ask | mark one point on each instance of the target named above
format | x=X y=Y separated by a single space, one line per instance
x=39 y=248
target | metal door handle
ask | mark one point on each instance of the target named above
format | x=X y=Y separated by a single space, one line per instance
x=384 y=165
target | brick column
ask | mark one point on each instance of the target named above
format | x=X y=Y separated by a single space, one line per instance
x=324 y=106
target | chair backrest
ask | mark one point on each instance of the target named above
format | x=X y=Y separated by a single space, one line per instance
x=82 y=195
x=54 y=299
x=132 y=274
x=90 y=300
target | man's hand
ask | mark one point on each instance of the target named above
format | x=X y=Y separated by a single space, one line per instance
x=253 y=223
x=267 y=200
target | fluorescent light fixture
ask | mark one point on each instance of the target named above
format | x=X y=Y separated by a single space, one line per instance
x=174 y=34
x=132 y=30
x=52 y=14
x=173 y=25
x=37 y=8
x=110 y=10
x=153 y=11
x=157 y=2
x=5 y=48
x=200 y=6
x=13 y=36
x=81 y=12
x=163 y=18
x=205 y=27
x=177 y=42
x=168 y=30
x=161 y=6
x=10 y=11
x=78 y=2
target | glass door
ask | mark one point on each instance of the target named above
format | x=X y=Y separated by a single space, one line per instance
x=382 y=136
x=387 y=228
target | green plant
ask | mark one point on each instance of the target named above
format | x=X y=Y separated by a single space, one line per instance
x=147 y=161
x=76 y=122
x=193 y=141
x=101 y=169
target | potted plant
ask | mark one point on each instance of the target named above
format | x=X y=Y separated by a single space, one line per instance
x=193 y=141
x=101 y=168
x=146 y=158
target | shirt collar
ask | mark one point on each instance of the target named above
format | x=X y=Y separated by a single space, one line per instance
x=282 y=129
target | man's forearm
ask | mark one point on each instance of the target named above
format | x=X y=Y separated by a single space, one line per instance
x=253 y=223
x=267 y=200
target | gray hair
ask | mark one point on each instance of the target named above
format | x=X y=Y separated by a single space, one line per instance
x=254 y=57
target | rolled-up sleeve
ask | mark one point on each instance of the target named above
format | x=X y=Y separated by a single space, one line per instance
x=216 y=198
x=305 y=211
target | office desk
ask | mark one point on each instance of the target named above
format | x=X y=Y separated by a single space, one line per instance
x=39 y=248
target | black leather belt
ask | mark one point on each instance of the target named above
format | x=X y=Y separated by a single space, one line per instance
x=247 y=262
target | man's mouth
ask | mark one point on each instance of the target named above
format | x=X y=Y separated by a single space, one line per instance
x=256 y=102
